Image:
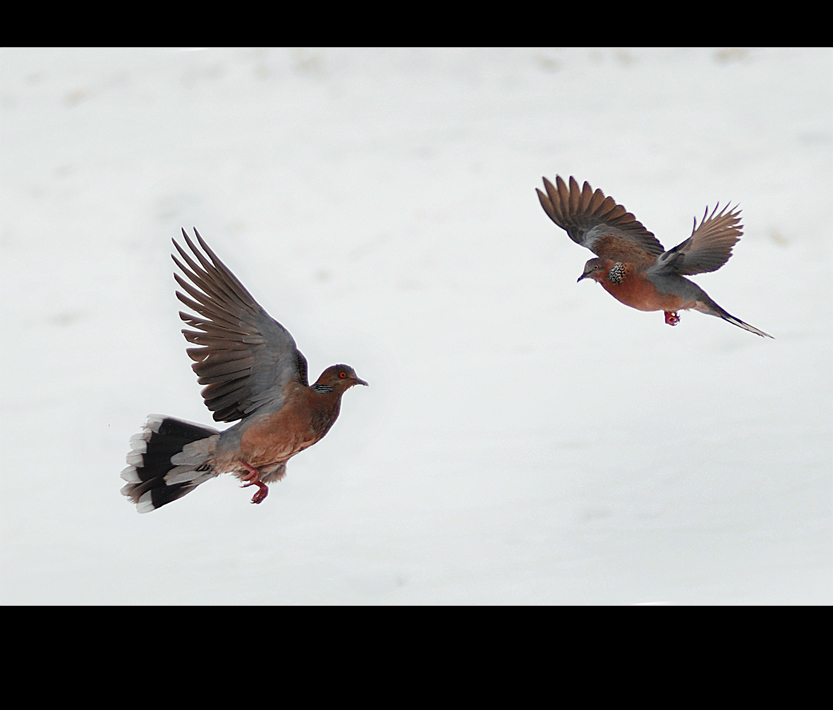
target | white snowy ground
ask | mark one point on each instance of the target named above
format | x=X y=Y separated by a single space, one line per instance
x=524 y=439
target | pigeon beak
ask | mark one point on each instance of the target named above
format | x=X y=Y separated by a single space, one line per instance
x=583 y=276
x=357 y=381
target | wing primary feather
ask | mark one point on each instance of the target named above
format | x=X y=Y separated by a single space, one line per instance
x=218 y=318
x=209 y=303
x=209 y=283
x=240 y=290
x=220 y=356
x=224 y=287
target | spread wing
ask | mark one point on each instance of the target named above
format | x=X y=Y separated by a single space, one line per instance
x=597 y=222
x=244 y=356
x=708 y=247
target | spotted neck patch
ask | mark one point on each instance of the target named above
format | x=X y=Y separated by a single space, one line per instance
x=322 y=389
x=617 y=273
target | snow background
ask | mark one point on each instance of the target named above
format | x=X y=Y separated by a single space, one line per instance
x=524 y=439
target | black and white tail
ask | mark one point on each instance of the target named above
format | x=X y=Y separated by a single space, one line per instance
x=169 y=458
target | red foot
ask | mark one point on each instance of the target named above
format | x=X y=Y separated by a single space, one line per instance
x=253 y=478
x=262 y=491
x=671 y=317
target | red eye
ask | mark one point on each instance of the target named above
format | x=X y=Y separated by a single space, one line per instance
x=342 y=374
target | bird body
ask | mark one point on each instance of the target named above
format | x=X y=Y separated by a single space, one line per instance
x=631 y=264
x=253 y=373
x=305 y=417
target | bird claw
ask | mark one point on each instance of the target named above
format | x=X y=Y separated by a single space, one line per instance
x=253 y=479
x=261 y=493
x=671 y=317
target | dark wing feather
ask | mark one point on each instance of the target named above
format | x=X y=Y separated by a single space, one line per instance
x=708 y=247
x=243 y=356
x=596 y=221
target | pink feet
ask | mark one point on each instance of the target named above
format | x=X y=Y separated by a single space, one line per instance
x=671 y=317
x=253 y=478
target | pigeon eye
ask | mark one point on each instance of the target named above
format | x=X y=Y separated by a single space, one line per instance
x=342 y=374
